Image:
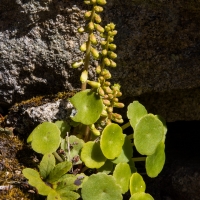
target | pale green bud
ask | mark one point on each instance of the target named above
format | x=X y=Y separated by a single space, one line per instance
x=116 y=115
x=93 y=1
x=95 y=53
x=77 y=64
x=83 y=47
x=116 y=87
x=81 y=30
x=98 y=9
x=120 y=121
x=101 y=91
x=93 y=39
x=115 y=99
x=119 y=94
x=112 y=63
x=106 y=61
x=104 y=52
x=87 y=2
x=107 y=83
x=106 y=102
x=107 y=90
x=99 y=28
x=84 y=76
x=101 y=78
x=101 y=2
x=96 y=132
x=91 y=26
x=104 y=114
x=112 y=47
x=103 y=43
x=94 y=84
x=107 y=76
x=112 y=26
x=114 y=33
x=98 y=69
x=110 y=96
x=97 y=18
x=107 y=28
x=110 y=39
x=109 y=109
x=88 y=14
x=118 y=105
x=112 y=55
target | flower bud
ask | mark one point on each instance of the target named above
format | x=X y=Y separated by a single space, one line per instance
x=112 y=26
x=106 y=61
x=107 y=83
x=120 y=121
x=98 y=69
x=93 y=39
x=83 y=47
x=94 y=84
x=97 y=18
x=107 y=90
x=95 y=53
x=99 y=28
x=116 y=87
x=109 y=109
x=107 y=28
x=84 y=76
x=110 y=39
x=118 y=105
x=96 y=132
x=91 y=26
x=101 y=91
x=119 y=94
x=116 y=115
x=87 y=2
x=107 y=76
x=106 y=102
x=103 y=43
x=81 y=30
x=93 y=1
x=110 y=96
x=77 y=64
x=104 y=52
x=112 y=47
x=104 y=114
x=101 y=2
x=115 y=99
x=88 y=14
x=112 y=55
x=98 y=9
x=112 y=63
x=101 y=78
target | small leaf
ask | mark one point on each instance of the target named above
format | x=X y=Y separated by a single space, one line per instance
x=141 y=196
x=106 y=168
x=112 y=140
x=122 y=174
x=45 y=138
x=137 y=183
x=34 y=179
x=46 y=165
x=126 y=153
x=148 y=134
x=53 y=195
x=89 y=107
x=155 y=162
x=64 y=127
x=102 y=187
x=92 y=155
x=135 y=112
x=59 y=170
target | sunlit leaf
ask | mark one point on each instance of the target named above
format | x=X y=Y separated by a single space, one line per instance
x=137 y=183
x=156 y=161
x=141 y=196
x=122 y=174
x=102 y=187
x=64 y=127
x=89 y=106
x=148 y=134
x=107 y=167
x=112 y=140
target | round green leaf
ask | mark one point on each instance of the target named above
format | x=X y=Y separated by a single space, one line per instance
x=148 y=134
x=112 y=140
x=45 y=138
x=137 y=183
x=141 y=196
x=101 y=187
x=107 y=167
x=64 y=127
x=88 y=105
x=126 y=153
x=135 y=112
x=122 y=174
x=156 y=161
x=92 y=155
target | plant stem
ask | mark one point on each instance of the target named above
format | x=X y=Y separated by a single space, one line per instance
x=58 y=157
x=139 y=159
x=125 y=125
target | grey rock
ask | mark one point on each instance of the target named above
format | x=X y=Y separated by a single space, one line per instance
x=158 y=51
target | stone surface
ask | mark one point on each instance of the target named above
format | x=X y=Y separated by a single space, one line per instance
x=158 y=51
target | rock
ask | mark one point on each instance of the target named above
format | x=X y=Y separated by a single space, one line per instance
x=158 y=51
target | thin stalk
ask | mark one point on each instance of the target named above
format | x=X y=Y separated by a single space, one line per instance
x=139 y=159
x=57 y=157
x=125 y=125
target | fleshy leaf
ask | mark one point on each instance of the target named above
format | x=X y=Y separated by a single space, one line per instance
x=59 y=170
x=135 y=112
x=155 y=162
x=141 y=196
x=34 y=179
x=89 y=106
x=148 y=134
x=46 y=165
x=107 y=167
x=53 y=195
x=45 y=138
x=64 y=127
x=75 y=144
x=92 y=155
x=102 y=187
x=126 y=153
x=137 y=183
x=112 y=140
x=122 y=174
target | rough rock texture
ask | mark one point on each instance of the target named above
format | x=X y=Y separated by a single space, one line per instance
x=158 y=50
